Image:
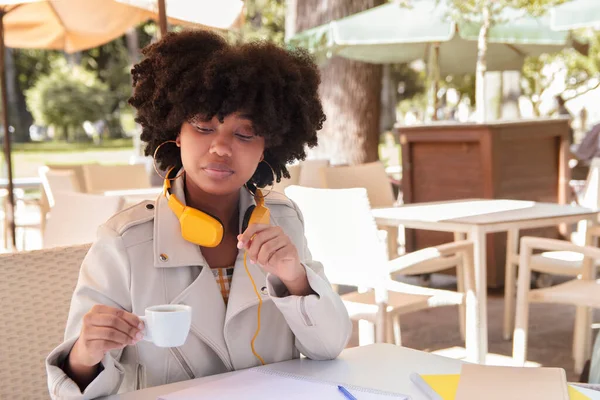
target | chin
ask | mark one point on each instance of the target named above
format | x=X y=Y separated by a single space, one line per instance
x=218 y=187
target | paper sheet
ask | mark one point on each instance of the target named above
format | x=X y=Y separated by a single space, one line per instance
x=255 y=385
x=501 y=383
x=446 y=386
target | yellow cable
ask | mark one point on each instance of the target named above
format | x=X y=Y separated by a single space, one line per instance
x=259 y=306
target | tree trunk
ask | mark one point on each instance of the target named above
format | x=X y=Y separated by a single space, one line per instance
x=19 y=117
x=350 y=90
x=480 y=112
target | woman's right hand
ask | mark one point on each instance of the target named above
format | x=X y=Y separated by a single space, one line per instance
x=104 y=328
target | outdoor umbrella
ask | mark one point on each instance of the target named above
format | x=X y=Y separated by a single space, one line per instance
x=227 y=14
x=75 y=25
x=576 y=14
x=393 y=33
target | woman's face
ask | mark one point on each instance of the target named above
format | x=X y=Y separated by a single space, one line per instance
x=220 y=157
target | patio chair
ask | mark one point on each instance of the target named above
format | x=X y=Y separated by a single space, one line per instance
x=565 y=263
x=102 y=178
x=26 y=216
x=54 y=181
x=75 y=217
x=36 y=288
x=77 y=169
x=310 y=173
x=342 y=235
x=371 y=176
x=582 y=292
x=294 y=179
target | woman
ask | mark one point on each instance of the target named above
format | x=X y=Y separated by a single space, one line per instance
x=232 y=117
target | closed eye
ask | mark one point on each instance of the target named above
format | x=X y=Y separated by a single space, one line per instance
x=202 y=129
x=244 y=137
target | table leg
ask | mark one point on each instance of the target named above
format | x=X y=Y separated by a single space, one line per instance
x=512 y=245
x=460 y=285
x=477 y=339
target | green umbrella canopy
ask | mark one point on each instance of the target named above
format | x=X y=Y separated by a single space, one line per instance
x=393 y=33
x=576 y=14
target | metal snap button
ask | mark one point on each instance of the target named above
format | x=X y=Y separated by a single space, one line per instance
x=163 y=257
x=150 y=206
x=264 y=290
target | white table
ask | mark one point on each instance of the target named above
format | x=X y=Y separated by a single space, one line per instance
x=134 y=196
x=33 y=182
x=380 y=366
x=475 y=218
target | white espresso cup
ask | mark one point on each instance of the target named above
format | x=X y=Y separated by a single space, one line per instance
x=167 y=325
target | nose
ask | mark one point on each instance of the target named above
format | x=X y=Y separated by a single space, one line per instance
x=221 y=145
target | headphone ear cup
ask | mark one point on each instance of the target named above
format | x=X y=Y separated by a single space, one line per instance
x=246 y=219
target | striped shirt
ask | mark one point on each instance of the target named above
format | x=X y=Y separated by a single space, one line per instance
x=223 y=277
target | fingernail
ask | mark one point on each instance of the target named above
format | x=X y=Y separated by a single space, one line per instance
x=141 y=325
x=253 y=261
x=240 y=245
x=139 y=336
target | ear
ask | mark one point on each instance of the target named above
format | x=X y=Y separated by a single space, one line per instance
x=262 y=157
x=178 y=141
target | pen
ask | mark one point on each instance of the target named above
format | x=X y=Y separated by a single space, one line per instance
x=424 y=387
x=346 y=393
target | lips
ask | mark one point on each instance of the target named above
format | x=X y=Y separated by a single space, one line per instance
x=218 y=170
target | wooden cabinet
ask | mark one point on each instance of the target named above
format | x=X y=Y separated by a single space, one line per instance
x=521 y=160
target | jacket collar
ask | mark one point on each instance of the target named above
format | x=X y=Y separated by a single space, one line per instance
x=170 y=249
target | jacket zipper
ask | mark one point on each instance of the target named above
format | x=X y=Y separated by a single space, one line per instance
x=183 y=363
x=303 y=312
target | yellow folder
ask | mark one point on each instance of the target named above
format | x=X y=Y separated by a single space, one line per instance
x=446 y=386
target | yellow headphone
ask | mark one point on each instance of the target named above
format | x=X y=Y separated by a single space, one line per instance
x=206 y=230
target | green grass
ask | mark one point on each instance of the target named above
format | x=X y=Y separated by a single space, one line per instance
x=28 y=157
x=61 y=146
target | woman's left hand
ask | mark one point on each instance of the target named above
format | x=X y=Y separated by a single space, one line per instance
x=273 y=250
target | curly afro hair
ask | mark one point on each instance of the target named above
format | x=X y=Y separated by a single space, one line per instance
x=198 y=72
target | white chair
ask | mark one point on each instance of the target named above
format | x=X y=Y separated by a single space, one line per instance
x=36 y=288
x=102 y=178
x=581 y=292
x=310 y=173
x=26 y=218
x=58 y=180
x=371 y=176
x=341 y=233
x=75 y=217
x=566 y=263
x=294 y=179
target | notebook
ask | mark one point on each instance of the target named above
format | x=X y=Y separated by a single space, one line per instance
x=264 y=383
x=447 y=385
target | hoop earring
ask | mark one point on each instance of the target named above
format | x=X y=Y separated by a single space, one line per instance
x=154 y=161
x=270 y=190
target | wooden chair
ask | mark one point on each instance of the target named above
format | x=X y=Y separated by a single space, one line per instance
x=565 y=263
x=582 y=292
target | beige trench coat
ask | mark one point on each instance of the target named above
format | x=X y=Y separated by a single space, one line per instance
x=140 y=259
